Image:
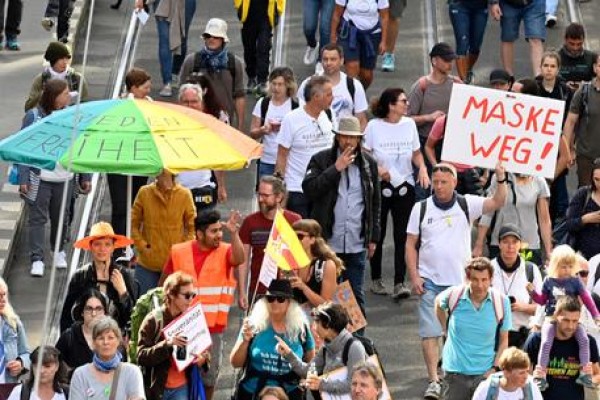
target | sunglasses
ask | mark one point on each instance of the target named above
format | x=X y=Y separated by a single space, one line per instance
x=280 y=299
x=208 y=36
x=188 y=295
x=301 y=235
x=443 y=168
x=583 y=274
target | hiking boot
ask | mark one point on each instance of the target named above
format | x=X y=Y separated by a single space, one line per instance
x=12 y=44
x=542 y=383
x=377 y=287
x=166 y=91
x=47 y=24
x=400 y=292
x=60 y=260
x=433 y=391
x=310 y=55
x=37 y=269
x=388 y=63
x=586 y=380
x=251 y=85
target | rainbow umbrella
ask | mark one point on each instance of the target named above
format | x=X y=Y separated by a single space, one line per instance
x=128 y=136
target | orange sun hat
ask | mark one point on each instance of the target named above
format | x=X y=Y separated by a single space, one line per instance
x=102 y=230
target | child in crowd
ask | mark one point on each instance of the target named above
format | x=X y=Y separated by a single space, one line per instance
x=561 y=281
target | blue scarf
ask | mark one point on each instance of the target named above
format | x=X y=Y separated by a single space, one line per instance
x=107 y=366
x=214 y=60
x=444 y=205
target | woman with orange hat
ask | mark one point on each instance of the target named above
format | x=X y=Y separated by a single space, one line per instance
x=102 y=274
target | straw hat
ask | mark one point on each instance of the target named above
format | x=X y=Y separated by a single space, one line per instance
x=102 y=230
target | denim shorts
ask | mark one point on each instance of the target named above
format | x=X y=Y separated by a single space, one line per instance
x=429 y=325
x=359 y=52
x=533 y=17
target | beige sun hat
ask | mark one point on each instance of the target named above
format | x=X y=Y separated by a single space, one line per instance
x=349 y=126
x=216 y=27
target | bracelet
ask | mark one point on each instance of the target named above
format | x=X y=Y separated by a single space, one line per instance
x=502 y=181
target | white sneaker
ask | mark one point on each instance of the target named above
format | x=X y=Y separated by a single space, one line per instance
x=550 y=21
x=310 y=56
x=319 y=70
x=166 y=91
x=37 y=268
x=60 y=260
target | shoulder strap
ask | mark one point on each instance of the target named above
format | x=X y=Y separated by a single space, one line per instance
x=115 y=383
x=197 y=62
x=456 y=293
x=347 y=350
x=528 y=391
x=264 y=107
x=422 y=82
x=498 y=300
x=529 y=266
x=25 y=391
x=36 y=113
x=492 y=393
x=597 y=274
x=319 y=268
x=351 y=88
x=462 y=202
x=585 y=95
x=295 y=103
x=231 y=66
x=329 y=114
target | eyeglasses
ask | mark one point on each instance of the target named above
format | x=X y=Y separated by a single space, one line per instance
x=188 y=295
x=583 y=273
x=208 y=36
x=301 y=235
x=93 y=310
x=265 y=194
x=280 y=299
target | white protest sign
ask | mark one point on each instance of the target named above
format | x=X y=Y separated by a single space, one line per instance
x=192 y=325
x=485 y=126
x=342 y=374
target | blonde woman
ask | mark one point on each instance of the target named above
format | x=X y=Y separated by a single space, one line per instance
x=315 y=284
x=14 y=340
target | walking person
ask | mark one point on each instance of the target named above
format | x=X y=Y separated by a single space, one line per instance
x=316 y=13
x=61 y=10
x=10 y=23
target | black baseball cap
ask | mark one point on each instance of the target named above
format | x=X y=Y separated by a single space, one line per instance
x=510 y=230
x=443 y=50
x=499 y=76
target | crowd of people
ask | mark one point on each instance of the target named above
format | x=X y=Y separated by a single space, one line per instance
x=501 y=316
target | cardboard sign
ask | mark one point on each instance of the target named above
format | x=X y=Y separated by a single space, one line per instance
x=342 y=374
x=485 y=126
x=345 y=296
x=192 y=325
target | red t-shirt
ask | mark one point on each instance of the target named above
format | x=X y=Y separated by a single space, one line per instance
x=199 y=257
x=255 y=232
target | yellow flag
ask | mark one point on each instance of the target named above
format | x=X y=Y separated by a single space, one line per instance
x=284 y=246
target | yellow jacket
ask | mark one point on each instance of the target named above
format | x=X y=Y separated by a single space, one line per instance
x=160 y=219
x=274 y=10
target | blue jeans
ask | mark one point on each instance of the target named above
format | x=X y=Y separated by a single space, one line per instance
x=180 y=393
x=311 y=20
x=171 y=63
x=551 y=7
x=469 y=21
x=355 y=264
x=147 y=279
x=265 y=169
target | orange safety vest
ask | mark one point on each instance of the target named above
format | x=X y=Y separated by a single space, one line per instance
x=215 y=286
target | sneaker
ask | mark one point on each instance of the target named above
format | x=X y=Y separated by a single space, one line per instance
x=433 y=391
x=470 y=78
x=319 y=70
x=586 y=380
x=251 y=85
x=550 y=21
x=388 y=62
x=12 y=44
x=166 y=91
x=64 y=39
x=47 y=24
x=37 y=268
x=60 y=260
x=542 y=383
x=377 y=287
x=400 y=292
x=310 y=56
x=175 y=81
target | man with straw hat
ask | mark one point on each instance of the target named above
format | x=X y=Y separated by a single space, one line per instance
x=102 y=274
x=344 y=182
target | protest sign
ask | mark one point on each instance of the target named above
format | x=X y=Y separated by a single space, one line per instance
x=192 y=325
x=345 y=296
x=342 y=374
x=485 y=126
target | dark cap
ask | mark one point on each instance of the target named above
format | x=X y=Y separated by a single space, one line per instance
x=510 y=230
x=443 y=50
x=56 y=51
x=280 y=287
x=499 y=76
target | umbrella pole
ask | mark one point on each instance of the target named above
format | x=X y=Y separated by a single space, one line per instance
x=129 y=200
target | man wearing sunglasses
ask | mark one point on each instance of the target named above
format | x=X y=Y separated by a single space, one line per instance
x=211 y=262
x=438 y=246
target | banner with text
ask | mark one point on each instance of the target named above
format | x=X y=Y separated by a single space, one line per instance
x=485 y=126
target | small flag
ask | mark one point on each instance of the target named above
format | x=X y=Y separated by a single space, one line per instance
x=284 y=247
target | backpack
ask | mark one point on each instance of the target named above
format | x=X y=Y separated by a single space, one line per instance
x=73 y=80
x=150 y=301
x=494 y=388
x=456 y=293
x=26 y=391
x=368 y=345
x=264 y=107
x=351 y=90
x=198 y=65
x=462 y=202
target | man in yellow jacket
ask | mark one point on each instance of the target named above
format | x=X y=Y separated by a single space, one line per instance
x=211 y=263
x=258 y=18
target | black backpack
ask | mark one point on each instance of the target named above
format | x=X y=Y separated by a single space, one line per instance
x=26 y=391
x=367 y=343
x=460 y=199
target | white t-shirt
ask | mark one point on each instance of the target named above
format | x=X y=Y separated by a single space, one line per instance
x=303 y=136
x=482 y=389
x=515 y=285
x=16 y=394
x=393 y=146
x=445 y=239
x=269 y=141
x=195 y=179
x=364 y=13
x=343 y=105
